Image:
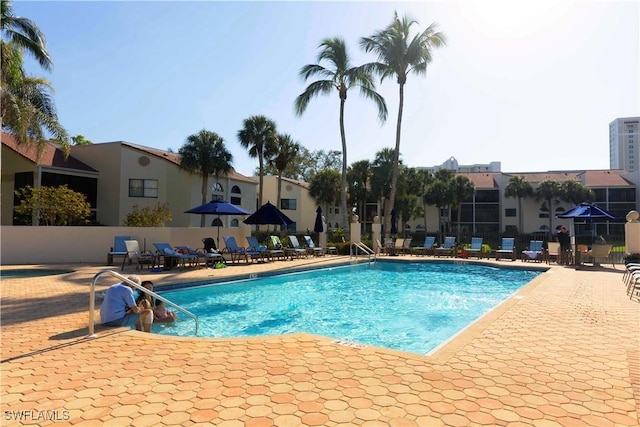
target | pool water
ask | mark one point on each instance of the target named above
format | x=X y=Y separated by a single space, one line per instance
x=30 y=272
x=409 y=307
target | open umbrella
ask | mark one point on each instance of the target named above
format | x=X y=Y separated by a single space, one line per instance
x=394 y=226
x=318 y=227
x=588 y=211
x=218 y=207
x=268 y=214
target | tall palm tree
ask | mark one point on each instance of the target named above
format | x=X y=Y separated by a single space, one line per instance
x=27 y=109
x=206 y=154
x=519 y=188
x=400 y=54
x=548 y=191
x=463 y=190
x=286 y=151
x=575 y=192
x=259 y=136
x=358 y=177
x=339 y=76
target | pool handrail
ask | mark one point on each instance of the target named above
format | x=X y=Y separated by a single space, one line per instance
x=92 y=299
x=364 y=248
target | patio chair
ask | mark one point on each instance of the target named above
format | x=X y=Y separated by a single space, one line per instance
x=290 y=252
x=507 y=249
x=426 y=248
x=553 y=252
x=209 y=258
x=118 y=248
x=312 y=246
x=534 y=252
x=254 y=245
x=135 y=255
x=236 y=252
x=296 y=245
x=406 y=245
x=476 y=247
x=447 y=248
x=599 y=253
x=170 y=256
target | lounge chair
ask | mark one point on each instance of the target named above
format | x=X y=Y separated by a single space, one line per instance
x=118 y=248
x=135 y=255
x=254 y=245
x=447 y=248
x=396 y=249
x=290 y=252
x=507 y=249
x=171 y=256
x=312 y=246
x=553 y=252
x=476 y=248
x=406 y=245
x=209 y=258
x=236 y=252
x=534 y=252
x=599 y=253
x=296 y=245
x=426 y=248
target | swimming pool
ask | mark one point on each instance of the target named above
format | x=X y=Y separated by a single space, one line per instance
x=30 y=272
x=410 y=307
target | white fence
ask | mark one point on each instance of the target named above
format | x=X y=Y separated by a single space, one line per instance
x=61 y=245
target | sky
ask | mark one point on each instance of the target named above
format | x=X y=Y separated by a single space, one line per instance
x=531 y=84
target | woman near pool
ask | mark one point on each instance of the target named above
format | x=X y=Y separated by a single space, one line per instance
x=119 y=307
x=145 y=301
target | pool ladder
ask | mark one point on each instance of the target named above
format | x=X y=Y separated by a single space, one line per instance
x=92 y=299
x=364 y=248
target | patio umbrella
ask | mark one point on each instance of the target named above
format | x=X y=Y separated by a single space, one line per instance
x=394 y=226
x=268 y=214
x=588 y=211
x=218 y=207
x=318 y=227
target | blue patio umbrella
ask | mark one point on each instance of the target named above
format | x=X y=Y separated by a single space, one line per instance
x=394 y=226
x=318 y=227
x=268 y=214
x=218 y=207
x=588 y=211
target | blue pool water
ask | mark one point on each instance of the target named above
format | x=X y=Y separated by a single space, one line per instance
x=409 y=307
x=30 y=272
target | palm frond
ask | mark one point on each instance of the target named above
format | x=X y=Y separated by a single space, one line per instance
x=314 y=89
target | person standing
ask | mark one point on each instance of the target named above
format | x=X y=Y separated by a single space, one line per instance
x=565 y=244
x=119 y=307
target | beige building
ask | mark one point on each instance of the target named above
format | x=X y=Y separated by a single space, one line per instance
x=117 y=176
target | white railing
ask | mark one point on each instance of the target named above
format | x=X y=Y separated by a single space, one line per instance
x=364 y=248
x=92 y=299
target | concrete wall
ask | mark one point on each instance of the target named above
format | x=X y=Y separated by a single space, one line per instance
x=58 y=245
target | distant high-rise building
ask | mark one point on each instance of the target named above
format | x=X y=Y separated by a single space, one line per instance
x=624 y=141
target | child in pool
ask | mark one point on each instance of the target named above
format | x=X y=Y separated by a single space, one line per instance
x=162 y=314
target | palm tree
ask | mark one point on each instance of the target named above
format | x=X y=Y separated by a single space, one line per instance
x=575 y=192
x=548 y=191
x=205 y=153
x=340 y=76
x=381 y=171
x=463 y=190
x=399 y=54
x=441 y=194
x=259 y=136
x=286 y=151
x=519 y=188
x=358 y=178
x=27 y=109
x=324 y=187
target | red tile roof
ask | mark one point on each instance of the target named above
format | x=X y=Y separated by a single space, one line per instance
x=52 y=155
x=482 y=179
x=605 y=178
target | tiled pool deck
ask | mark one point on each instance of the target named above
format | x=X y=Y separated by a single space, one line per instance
x=564 y=351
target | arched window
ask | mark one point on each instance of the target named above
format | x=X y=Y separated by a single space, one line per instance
x=234 y=223
x=236 y=190
x=217 y=188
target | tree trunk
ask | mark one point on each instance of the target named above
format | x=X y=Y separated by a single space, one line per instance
x=394 y=176
x=205 y=184
x=343 y=181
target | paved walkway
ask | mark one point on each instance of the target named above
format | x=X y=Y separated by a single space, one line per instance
x=564 y=351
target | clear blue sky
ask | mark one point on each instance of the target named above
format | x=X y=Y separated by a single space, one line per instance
x=532 y=84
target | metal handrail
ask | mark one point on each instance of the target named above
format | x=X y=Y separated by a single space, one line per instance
x=364 y=248
x=92 y=299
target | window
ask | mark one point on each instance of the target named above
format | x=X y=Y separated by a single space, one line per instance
x=236 y=201
x=234 y=223
x=509 y=212
x=336 y=210
x=143 y=188
x=217 y=188
x=288 y=204
x=236 y=190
